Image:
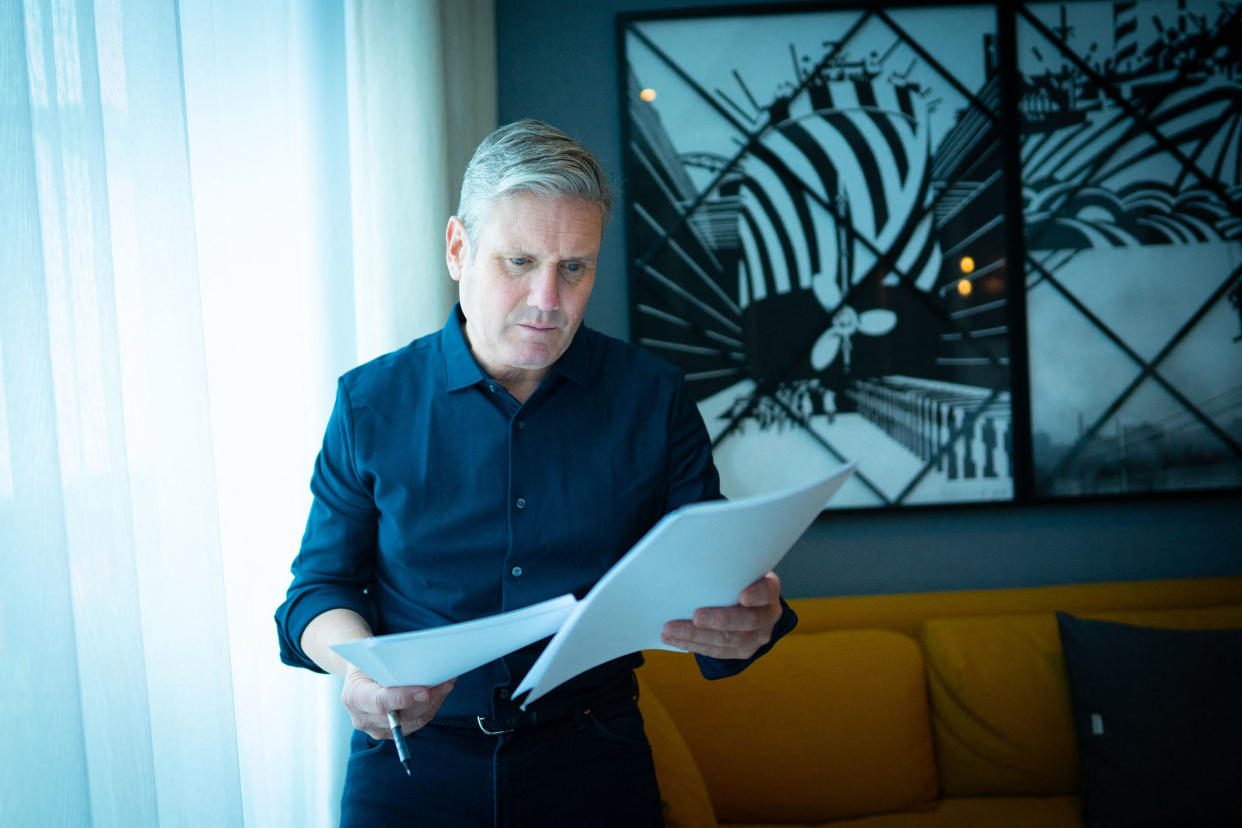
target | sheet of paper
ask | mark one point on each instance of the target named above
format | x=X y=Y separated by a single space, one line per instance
x=431 y=656
x=702 y=555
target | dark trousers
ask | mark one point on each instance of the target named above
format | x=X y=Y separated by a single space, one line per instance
x=589 y=769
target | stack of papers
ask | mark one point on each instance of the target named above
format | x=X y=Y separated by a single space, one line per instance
x=701 y=555
x=428 y=657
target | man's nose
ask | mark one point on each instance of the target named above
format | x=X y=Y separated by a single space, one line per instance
x=543 y=289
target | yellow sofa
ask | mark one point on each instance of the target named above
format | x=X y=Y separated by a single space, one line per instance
x=936 y=710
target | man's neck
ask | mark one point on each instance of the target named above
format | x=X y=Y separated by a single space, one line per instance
x=521 y=389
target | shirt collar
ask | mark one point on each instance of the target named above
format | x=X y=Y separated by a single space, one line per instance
x=461 y=370
x=575 y=363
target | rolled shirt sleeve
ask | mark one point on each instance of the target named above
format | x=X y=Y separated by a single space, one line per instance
x=334 y=565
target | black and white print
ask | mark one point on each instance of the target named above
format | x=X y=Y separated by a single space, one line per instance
x=817 y=237
x=816 y=210
x=1131 y=181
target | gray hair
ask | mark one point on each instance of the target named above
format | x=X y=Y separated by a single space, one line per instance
x=529 y=157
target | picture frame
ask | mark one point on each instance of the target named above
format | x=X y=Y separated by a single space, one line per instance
x=822 y=209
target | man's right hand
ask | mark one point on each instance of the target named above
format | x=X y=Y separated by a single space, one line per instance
x=368 y=704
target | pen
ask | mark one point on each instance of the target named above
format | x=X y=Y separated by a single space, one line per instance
x=403 y=753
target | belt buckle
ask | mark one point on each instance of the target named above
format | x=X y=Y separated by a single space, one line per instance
x=479 y=719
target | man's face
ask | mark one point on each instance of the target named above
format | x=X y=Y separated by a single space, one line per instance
x=526 y=282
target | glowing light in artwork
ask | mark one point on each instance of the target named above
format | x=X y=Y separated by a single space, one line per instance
x=967 y=264
x=648 y=95
x=964 y=287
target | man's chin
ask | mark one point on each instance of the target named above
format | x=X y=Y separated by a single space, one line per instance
x=534 y=359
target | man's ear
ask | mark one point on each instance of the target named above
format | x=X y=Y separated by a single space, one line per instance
x=457 y=247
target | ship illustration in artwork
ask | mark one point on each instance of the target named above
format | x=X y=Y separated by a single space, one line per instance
x=845 y=265
x=1095 y=177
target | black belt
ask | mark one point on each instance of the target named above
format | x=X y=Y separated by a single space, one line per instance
x=545 y=715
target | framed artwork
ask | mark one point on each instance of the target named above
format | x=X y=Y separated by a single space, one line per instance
x=1131 y=183
x=824 y=208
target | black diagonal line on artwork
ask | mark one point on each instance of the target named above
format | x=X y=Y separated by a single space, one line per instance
x=1146 y=370
x=935 y=64
x=798 y=418
x=1177 y=135
x=1134 y=112
x=1202 y=145
x=751 y=136
x=730 y=102
x=967 y=426
x=1043 y=266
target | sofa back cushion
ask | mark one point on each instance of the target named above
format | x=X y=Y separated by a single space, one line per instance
x=1001 y=713
x=825 y=726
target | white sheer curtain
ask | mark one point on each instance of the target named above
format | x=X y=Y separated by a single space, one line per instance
x=209 y=210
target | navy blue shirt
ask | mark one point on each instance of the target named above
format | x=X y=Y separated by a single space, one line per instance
x=438 y=498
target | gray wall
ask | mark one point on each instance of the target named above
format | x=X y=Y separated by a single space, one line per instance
x=558 y=62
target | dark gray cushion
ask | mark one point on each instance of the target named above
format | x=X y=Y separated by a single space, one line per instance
x=1158 y=716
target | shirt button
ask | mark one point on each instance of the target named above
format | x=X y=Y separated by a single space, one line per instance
x=520 y=503
x=504 y=692
x=517 y=572
x=521 y=425
x=491 y=388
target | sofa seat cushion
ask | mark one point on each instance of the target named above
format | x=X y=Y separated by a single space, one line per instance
x=825 y=726
x=969 y=812
x=1000 y=698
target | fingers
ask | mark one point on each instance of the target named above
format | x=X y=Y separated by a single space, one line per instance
x=766 y=590
x=732 y=619
x=427 y=701
x=731 y=632
x=686 y=635
x=368 y=704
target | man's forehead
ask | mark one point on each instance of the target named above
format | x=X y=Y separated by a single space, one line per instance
x=524 y=219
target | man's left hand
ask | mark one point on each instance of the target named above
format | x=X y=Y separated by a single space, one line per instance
x=731 y=632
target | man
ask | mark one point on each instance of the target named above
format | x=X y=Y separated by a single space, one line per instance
x=511 y=457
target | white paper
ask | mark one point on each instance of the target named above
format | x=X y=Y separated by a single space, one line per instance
x=428 y=657
x=702 y=555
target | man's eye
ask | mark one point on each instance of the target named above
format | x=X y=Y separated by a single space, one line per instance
x=573 y=267
x=519 y=261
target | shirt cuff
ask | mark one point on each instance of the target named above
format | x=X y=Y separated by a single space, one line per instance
x=718 y=668
x=296 y=613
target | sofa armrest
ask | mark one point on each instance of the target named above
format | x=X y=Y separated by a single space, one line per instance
x=682 y=791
